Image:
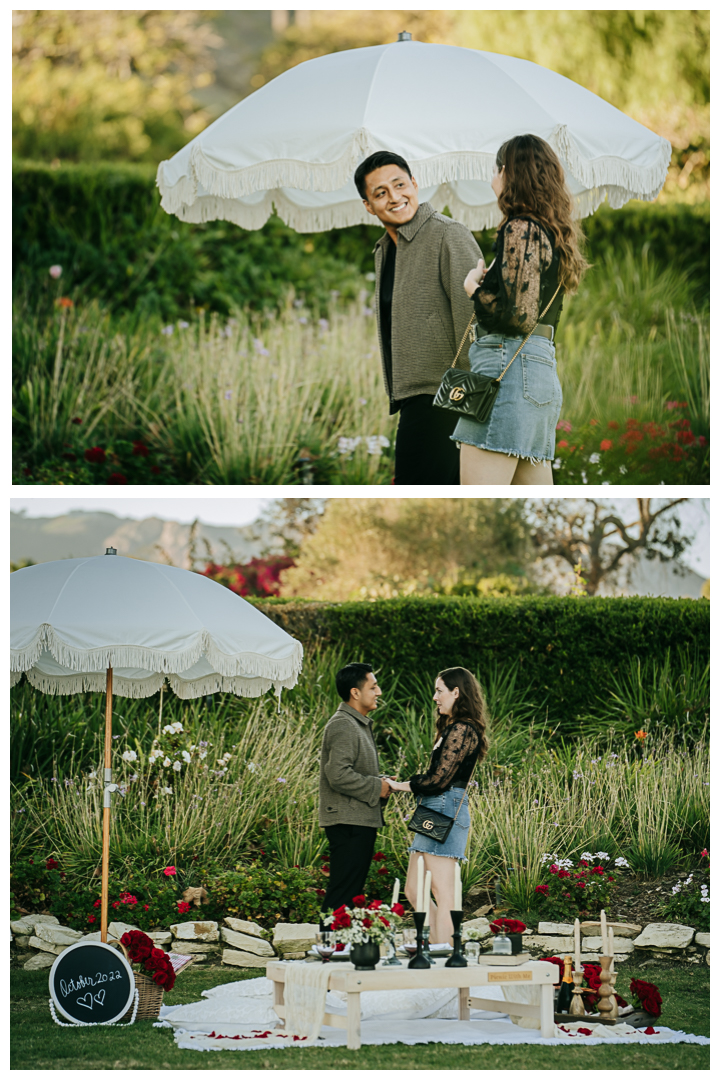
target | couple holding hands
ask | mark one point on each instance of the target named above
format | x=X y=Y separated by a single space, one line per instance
x=353 y=793
x=430 y=273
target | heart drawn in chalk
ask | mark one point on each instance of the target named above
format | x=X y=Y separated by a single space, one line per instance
x=87 y=1001
x=100 y=997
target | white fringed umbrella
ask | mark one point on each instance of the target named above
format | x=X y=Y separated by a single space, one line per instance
x=127 y=626
x=295 y=143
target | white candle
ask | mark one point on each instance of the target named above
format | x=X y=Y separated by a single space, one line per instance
x=420 y=883
x=428 y=885
x=577 y=945
x=611 y=947
x=396 y=891
x=603 y=932
x=458 y=887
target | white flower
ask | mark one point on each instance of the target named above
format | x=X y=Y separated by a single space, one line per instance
x=177 y=766
x=176 y=727
x=620 y=861
x=167 y=730
x=601 y=855
x=167 y=763
x=375 y=444
x=129 y=755
x=588 y=855
x=92 y=775
x=252 y=766
x=166 y=790
x=203 y=754
x=347 y=446
x=186 y=757
x=154 y=756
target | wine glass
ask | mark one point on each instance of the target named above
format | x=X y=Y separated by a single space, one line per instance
x=410 y=941
x=472 y=951
x=325 y=946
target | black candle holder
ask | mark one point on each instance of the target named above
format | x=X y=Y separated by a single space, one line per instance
x=419 y=960
x=457 y=959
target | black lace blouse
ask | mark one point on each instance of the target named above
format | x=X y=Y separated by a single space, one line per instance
x=452 y=761
x=520 y=282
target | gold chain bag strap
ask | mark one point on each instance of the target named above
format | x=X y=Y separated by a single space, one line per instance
x=472 y=394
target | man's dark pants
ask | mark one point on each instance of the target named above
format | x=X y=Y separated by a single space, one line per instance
x=424 y=450
x=351 y=852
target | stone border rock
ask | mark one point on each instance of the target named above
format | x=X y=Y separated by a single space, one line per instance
x=37 y=939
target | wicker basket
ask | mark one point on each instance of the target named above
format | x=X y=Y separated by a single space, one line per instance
x=150 y=995
x=150 y=998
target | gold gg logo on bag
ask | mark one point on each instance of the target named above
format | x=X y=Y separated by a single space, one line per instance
x=427 y=825
x=457 y=393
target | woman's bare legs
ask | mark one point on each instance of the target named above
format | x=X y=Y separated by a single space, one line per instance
x=442 y=869
x=490 y=467
x=411 y=880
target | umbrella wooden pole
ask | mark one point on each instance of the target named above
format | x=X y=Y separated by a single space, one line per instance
x=107 y=777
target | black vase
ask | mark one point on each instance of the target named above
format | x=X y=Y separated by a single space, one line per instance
x=365 y=955
x=517 y=943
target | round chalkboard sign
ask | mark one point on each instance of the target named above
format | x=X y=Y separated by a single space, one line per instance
x=92 y=983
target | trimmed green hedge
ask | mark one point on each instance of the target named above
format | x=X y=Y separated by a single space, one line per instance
x=568 y=649
x=103 y=224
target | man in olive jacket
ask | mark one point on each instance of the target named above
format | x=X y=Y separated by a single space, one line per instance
x=351 y=789
x=422 y=310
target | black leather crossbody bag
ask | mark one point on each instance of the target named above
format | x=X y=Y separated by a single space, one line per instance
x=472 y=394
x=432 y=823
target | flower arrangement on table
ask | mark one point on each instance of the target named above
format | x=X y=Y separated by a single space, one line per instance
x=365 y=921
x=508 y=926
x=141 y=950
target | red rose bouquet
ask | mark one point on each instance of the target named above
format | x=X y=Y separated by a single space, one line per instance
x=141 y=950
x=646 y=996
x=508 y=926
x=365 y=921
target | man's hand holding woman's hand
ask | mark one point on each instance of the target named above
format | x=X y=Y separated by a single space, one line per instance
x=475 y=277
x=395 y=786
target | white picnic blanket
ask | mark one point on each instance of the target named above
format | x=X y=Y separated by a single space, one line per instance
x=240 y=1016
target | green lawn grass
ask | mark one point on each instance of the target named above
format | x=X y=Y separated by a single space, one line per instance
x=37 y=1043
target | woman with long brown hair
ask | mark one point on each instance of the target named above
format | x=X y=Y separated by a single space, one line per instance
x=460 y=743
x=537 y=261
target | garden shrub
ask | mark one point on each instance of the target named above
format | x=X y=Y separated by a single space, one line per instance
x=103 y=224
x=568 y=649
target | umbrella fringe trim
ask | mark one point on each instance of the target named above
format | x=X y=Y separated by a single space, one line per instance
x=131 y=688
x=637 y=180
x=245 y=664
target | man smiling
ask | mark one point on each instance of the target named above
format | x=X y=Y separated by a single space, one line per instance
x=422 y=310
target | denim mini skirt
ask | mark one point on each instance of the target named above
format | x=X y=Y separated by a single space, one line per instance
x=447 y=803
x=527 y=406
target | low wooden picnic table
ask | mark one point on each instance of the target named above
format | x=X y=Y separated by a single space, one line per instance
x=346 y=979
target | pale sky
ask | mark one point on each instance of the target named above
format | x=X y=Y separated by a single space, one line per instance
x=241 y=511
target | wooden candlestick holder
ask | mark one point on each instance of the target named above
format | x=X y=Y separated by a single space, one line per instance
x=605 y=1007
x=613 y=1014
x=577 y=1007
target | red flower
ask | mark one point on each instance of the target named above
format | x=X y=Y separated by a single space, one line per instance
x=597 y=870
x=342 y=922
x=564 y=873
x=51 y=864
x=383 y=870
x=320 y=892
x=91 y=918
x=378 y=856
x=325 y=858
x=95 y=455
x=562 y=444
x=146 y=907
x=64 y=302
x=685 y=437
x=140 y=449
x=97 y=903
x=76 y=420
x=398 y=909
x=325 y=869
x=704 y=853
x=116 y=903
x=542 y=889
x=182 y=906
x=613 y=425
x=117 y=478
x=584 y=862
x=579 y=884
x=383 y=920
x=358 y=901
x=374 y=905
x=647 y=996
x=554 y=868
x=367 y=923
x=606 y=444
x=169 y=871
x=509 y=926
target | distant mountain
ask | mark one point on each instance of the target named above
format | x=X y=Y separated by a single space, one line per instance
x=79 y=533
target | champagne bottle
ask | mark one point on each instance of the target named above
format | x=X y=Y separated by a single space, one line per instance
x=566 y=987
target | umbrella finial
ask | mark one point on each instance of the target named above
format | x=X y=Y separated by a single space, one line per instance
x=111 y=551
x=404 y=36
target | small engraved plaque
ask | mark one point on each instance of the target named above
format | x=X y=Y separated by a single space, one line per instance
x=509 y=976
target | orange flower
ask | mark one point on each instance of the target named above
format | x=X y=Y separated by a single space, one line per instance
x=64 y=301
x=606 y=444
x=641 y=735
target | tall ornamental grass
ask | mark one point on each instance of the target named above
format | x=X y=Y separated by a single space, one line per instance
x=286 y=397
